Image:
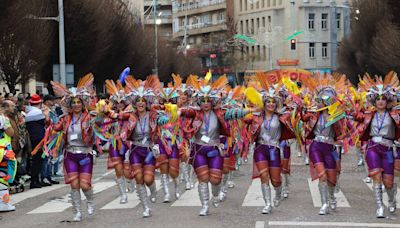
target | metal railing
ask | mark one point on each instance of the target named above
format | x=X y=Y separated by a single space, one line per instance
x=201 y=25
x=195 y=5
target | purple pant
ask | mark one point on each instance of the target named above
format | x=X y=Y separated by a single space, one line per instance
x=77 y=164
x=380 y=157
x=115 y=153
x=139 y=155
x=206 y=156
x=323 y=153
x=174 y=154
x=267 y=153
x=286 y=149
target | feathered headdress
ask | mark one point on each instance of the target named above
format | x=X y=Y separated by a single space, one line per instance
x=170 y=92
x=182 y=88
x=143 y=89
x=84 y=90
x=206 y=90
x=388 y=87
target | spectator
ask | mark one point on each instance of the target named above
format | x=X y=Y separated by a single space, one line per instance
x=47 y=166
x=36 y=124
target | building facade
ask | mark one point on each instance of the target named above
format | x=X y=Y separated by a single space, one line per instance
x=162 y=17
x=306 y=30
x=201 y=28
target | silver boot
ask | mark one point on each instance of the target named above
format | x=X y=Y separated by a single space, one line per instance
x=332 y=198
x=360 y=160
x=266 y=191
x=224 y=188
x=177 y=188
x=76 y=204
x=144 y=199
x=186 y=175
x=323 y=191
x=392 y=198
x=122 y=190
x=231 y=184
x=215 y=192
x=204 y=195
x=378 y=197
x=285 y=187
x=165 y=186
x=90 y=201
x=153 y=192
x=131 y=185
x=278 y=196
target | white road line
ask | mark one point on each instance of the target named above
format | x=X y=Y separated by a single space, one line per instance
x=62 y=203
x=133 y=200
x=16 y=198
x=260 y=224
x=331 y=224
x=254 y=197
x=190 y=198
x=385 y=197
x=316 y=198
x=102 y=176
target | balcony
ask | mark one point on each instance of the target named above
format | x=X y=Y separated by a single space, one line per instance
x=165 y=19
x=180 y=10
x=159 y=2
x=201 y=28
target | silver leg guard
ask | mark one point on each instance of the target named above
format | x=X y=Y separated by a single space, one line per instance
x=266 y=191
x=223 y=191
x=285 y=186
x=144 y=199
x=76 y=204
x=323 y=191
x=231 y=184
x=177 y=188
x=186 y=175
x=122 y=190
x=278 y=196
x=392 y=198
x=165 y=186
x=332 y=198
x=90 y=201
x=4 y=199
x=379 y=203
x=360 y=160
x=204 y=198
x=153 y=192
x=215 y=192
x=131 y=185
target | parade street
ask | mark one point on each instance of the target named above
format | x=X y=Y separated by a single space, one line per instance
x=51 y=207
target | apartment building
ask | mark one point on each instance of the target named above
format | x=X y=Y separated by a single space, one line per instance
x=309 y=31
x=201 y=28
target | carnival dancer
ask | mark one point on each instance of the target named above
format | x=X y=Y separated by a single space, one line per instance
x=184 y=142
x=268 y=127
x=142 y=149
x=209 y=123
x=8 y=162
x=325 y=131
x=76 y=134
x=380 y=128
x=119 y=148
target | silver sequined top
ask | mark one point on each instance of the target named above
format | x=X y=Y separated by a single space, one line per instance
x=270 y=131
x=213 y=130
x=322 y=133
x=75 y=139
x=141 y=135
x=382 y=125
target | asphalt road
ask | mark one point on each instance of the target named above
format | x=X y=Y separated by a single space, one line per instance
x=241 y=209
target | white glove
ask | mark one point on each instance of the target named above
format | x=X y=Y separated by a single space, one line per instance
x=156 y=150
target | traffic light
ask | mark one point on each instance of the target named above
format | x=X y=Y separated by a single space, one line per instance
x=293 y=44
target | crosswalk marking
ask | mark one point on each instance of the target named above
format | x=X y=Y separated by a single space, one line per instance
x=329 y=224
x=16 y=198
x=316 y=198
x=61 y=204
x=190 y=198
x=254 y=197
x=385 y=196
x=133 y=200
x=260 y=224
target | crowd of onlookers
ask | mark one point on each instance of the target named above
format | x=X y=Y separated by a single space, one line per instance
x=29 y=116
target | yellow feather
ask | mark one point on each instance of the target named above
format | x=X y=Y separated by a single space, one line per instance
x=254 y=97
x=173 y=110
x=291 y=86
x=208 y=76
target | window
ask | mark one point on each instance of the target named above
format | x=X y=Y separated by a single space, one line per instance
x=245 y=5
x=324 y=50
x=338 y=21
x=241 y=27
x=240 y=5
x=263 y=22
x=273 y=2
x=268 y=3
x=262 y=3
x=311 y=50
x=252 y=26
x=311 y=21
x=265 y=53
x=324 y=21
x=258 y=52
x=247 y=27
x=258 y=23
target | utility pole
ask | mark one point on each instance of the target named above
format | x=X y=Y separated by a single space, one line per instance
x=61 y=36
x=155 y=37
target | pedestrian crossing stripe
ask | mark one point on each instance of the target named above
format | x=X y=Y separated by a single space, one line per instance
x=316 y=198
x=16 y=198
x=133 y=200
x=62 y=203
x=385 y=196
x=190 y=198
x=254 y=197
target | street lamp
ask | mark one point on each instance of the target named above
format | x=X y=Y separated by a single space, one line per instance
x=61 y=37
